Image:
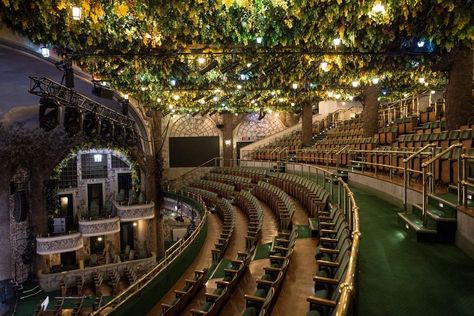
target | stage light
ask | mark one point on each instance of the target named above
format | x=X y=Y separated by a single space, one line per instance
x=45 y=52
x=76 y=13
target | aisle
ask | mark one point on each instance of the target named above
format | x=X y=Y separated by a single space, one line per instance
x=236 y=243
x=399 y=276
x=203 y=260
x=236 y=304
x=298 y=283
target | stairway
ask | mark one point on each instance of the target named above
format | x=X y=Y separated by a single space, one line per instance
x=441 y=222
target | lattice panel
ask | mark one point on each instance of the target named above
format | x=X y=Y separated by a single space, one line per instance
x=188 y=126
x=252 y=128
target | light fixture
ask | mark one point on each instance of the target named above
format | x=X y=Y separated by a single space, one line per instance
x=324 y=66
x=420 y=44
x=76 y=13
x=158 y=100
x=244 y=77
x=173 y=82
x=176 y=97
x=469 y=196
x=227 y=142
x=125 y=96
x=330 y=94
x=64 y=200
x=259 y=40
x=202 y=101
x=336 y=41
x=426 y=84
x=294 y=86
x=170 y=106
x=432 y=92
x=355 y=83
x=281 y=99
x=201 y=60
x=375 y=80
x=143 y=88
x=406 y=226
x=421 y=80
x=99 y=239
x=292 y=103
x=239 y=86
x=97 y=158
x=440 y=204
x=270 y=111
x=273 y=93
x=253 y=101
x=351 y=98
x=215 y=98
x=249 y=65
x=45 y=52
x=134 y=224
x=337 y=96
x=378 y=8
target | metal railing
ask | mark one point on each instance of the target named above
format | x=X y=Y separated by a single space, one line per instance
x=463 y=196
x=428 y=177
x=171 y=255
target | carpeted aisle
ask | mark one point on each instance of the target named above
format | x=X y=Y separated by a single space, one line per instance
x=399 y=276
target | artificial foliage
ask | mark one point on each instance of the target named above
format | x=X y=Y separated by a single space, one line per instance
x=140 y=47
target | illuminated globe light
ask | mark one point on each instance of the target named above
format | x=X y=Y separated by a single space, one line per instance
x=173 y=82
x=201 y=101
x=239 y=86
x=76 y=13
x=324 y=66
x=45 y=52
x=292 y=103
x=432 y=92
x=351 y=98
x=176 y=97
x=125 y=96
x=337 y=96
x=249 y=65
x=336 y=41
x=375 y=80
x=330 y=94
x=215 y=99
x=420 y=44
x=259 y=40
x=281 y=100
x=201 y=60
x=421 y=80
x=378 y=8
x=158 y=100
x=355 y=83
x=244 y=77
x=294 y=86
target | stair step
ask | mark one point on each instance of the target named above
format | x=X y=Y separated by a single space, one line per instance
x=416 y=223
x=442 y=201
x=438 y=214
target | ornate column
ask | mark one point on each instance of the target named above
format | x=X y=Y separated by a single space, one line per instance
x=370 y=112
x=154 y=180
x=307 y=124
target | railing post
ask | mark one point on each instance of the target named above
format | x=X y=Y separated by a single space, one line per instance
x=339 y=194
x=376 y=164
x=424 y=205
x=459 y=180
x=390 y=165
x=431 y=177
x=405 y=186
x=464 y=186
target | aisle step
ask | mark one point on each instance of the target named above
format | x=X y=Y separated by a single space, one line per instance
x=415 y=224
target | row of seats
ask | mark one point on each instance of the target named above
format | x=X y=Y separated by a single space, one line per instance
x=184 y=295
x=443 y=139
x=269 y=285
x=206 y=195
x=222 y=189
x=225 y=211
x=250 y=205
x=312 y=196
x=280 y=203
x=240 y=183
x=255 y=174
x=365 y=143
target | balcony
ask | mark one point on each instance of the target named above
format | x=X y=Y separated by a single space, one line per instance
x=58 y=244
x=99 y=227
x=131 y=213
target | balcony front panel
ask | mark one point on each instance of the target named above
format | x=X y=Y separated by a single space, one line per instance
x=99 y=227
x=58 y=244
x=131 y=213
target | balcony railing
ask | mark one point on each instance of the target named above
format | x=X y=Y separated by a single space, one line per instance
x=99 y=227
x=58 y=244
x=130 y=213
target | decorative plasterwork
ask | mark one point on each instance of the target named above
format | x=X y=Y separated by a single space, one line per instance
x=91 y=228
x=58 y=244
x=129 y=213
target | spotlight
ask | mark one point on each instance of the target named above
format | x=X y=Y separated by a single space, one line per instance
x=212 y=64
x=76 y=13
x=45 y=52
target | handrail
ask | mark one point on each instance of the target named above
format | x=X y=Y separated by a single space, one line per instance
x=341 y=150
x=418 y=152
x=141 y=283
x=444 y=152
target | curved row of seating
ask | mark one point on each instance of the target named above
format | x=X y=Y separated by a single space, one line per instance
x=256 y=174
x=269 y=285
x=206 y=195
x=312 y=196
x=280 y=203
x=240 y=183
x=225 y=211
x=233 y=272
x=222 y=189
x=249 y=204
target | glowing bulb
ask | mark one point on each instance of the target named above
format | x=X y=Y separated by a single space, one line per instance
x=292 y=103
x=173 y=82
x=215 y=99
x=432 y=92
x=259 y=40
x=294 y=86
x=337 y=96
x=375 y=80
x=420 y=44
x=270 y=111
x=134 y=224
x=158 y=100
x=201 y=101
x=330 y=94
x=45 y=52
x=249 y=65
x=351 y=98
x=76 y=13
x=143 y=88
x=99 y=239
x=239 y=86
x=125 y=96
x=378 y=8
x=336 y=41
x=421 y=80
x=176 y=97
x=324 y=66
x=273 y=93
x=201 y=60
x=426 y=84
x=281 y=99
x=355 y=83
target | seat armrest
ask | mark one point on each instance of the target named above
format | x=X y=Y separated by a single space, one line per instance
x=325 y=280
x=254 y=298
x=321 y=301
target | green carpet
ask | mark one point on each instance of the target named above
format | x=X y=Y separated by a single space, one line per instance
x=399 y=276
x=262 y=251
x=304 y=231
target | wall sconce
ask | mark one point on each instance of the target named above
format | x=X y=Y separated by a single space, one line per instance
x=227 y=142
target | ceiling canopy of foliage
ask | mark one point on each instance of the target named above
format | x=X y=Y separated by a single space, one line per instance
x=240 y=55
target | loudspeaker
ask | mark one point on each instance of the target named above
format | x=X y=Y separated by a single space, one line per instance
x=21 y=206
